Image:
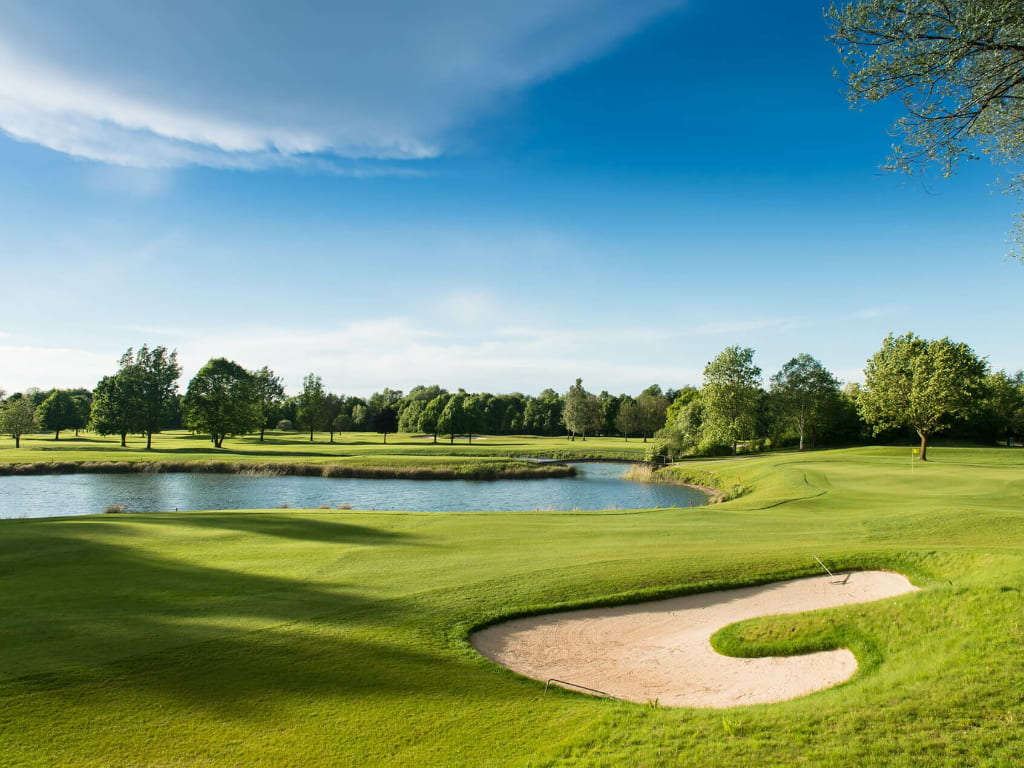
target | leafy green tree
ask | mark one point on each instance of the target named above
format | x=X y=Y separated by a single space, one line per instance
x=430 y=418
x=956 y=65
x=57 y=413
x=221 y=401
x=268 y=391
x=581 y=413
x=342 y=422
x=922 y=384
x=543 y=414
x=114 y=404
x=653 y=408
x=609 y=406
x=83 y=410
x=361 y=417
x=386 y=420
x=333 y=406
x=409 y=418
x=155 y=373
x=684 y=434
x=804 y=396
x=1004 y=403
x=629 y=420
x=452 y=420
x=17 y=418
x=730 y=396
x=312 y=404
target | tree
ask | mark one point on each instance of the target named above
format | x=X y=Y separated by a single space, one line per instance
x=581 y=413
x=1004 y=401
x=804 y=396
x=922 y=384
x=114 y=401
x=342 y=423
x=156 y=372
x=332 y=410
x=653 y=407
x=57 y=412
x=268 y=391
x=17 y=417
x=956 y=65
x=431 y=415
x=386 y=420
x=83 y=410
x=312 y=404
x=221 y=400
x=629 y=420
x=453 y=418
x=730 y=396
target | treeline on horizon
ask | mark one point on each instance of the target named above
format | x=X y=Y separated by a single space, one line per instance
x=910 y=383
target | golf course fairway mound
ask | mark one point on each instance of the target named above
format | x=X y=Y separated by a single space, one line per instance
x=660 y=651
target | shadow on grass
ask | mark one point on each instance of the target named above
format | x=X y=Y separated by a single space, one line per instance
x=287 y=526
x=91 y=600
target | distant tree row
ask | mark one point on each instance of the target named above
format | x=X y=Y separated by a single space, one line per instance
x=910 y=383
x=928 y=386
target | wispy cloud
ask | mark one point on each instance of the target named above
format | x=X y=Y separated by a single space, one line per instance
x=255 y=85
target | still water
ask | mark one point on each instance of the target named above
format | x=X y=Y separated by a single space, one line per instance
x=596 y=486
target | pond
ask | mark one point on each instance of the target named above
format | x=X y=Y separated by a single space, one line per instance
x=596 y=486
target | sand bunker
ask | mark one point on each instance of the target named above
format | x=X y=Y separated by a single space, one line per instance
x=661 y=650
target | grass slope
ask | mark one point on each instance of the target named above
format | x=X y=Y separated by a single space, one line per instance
x=270 y=638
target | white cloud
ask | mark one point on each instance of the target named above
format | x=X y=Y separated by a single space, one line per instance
x=252 y=85
x=23 y=367
x=361 y=357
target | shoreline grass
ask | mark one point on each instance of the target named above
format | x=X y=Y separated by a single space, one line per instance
x=483 y=469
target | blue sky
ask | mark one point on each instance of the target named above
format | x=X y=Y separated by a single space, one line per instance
x=499 y=196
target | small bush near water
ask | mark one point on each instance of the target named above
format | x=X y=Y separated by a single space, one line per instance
x=717 y=489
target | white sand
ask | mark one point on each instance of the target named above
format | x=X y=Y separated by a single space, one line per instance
x=661 y=650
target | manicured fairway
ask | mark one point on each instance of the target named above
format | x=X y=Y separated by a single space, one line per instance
x=307 y=638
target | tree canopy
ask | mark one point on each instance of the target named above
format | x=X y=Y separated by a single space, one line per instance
x=221 y=400
x=312 y=404
x=582 y=412
x=731 y=394
x=57 y=413
x=17 y=417
x=804 y=395
x=922 y=384
x=956 y=65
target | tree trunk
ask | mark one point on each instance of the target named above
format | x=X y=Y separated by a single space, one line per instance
x=124 y=436
x=452 y=439
x=311 y=434
x=471 y=437
x=56 y=434
x=385 y=438
x=435 y=438
x=332 y=437
x=149 y=441
x=924 y=445
x=801 y=439
x=17 y=441
x=262 y=430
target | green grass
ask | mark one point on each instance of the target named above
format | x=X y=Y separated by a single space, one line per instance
x=301 y=638
x=354 y=448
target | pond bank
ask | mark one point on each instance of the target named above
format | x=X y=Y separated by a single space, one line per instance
x=483 y=470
